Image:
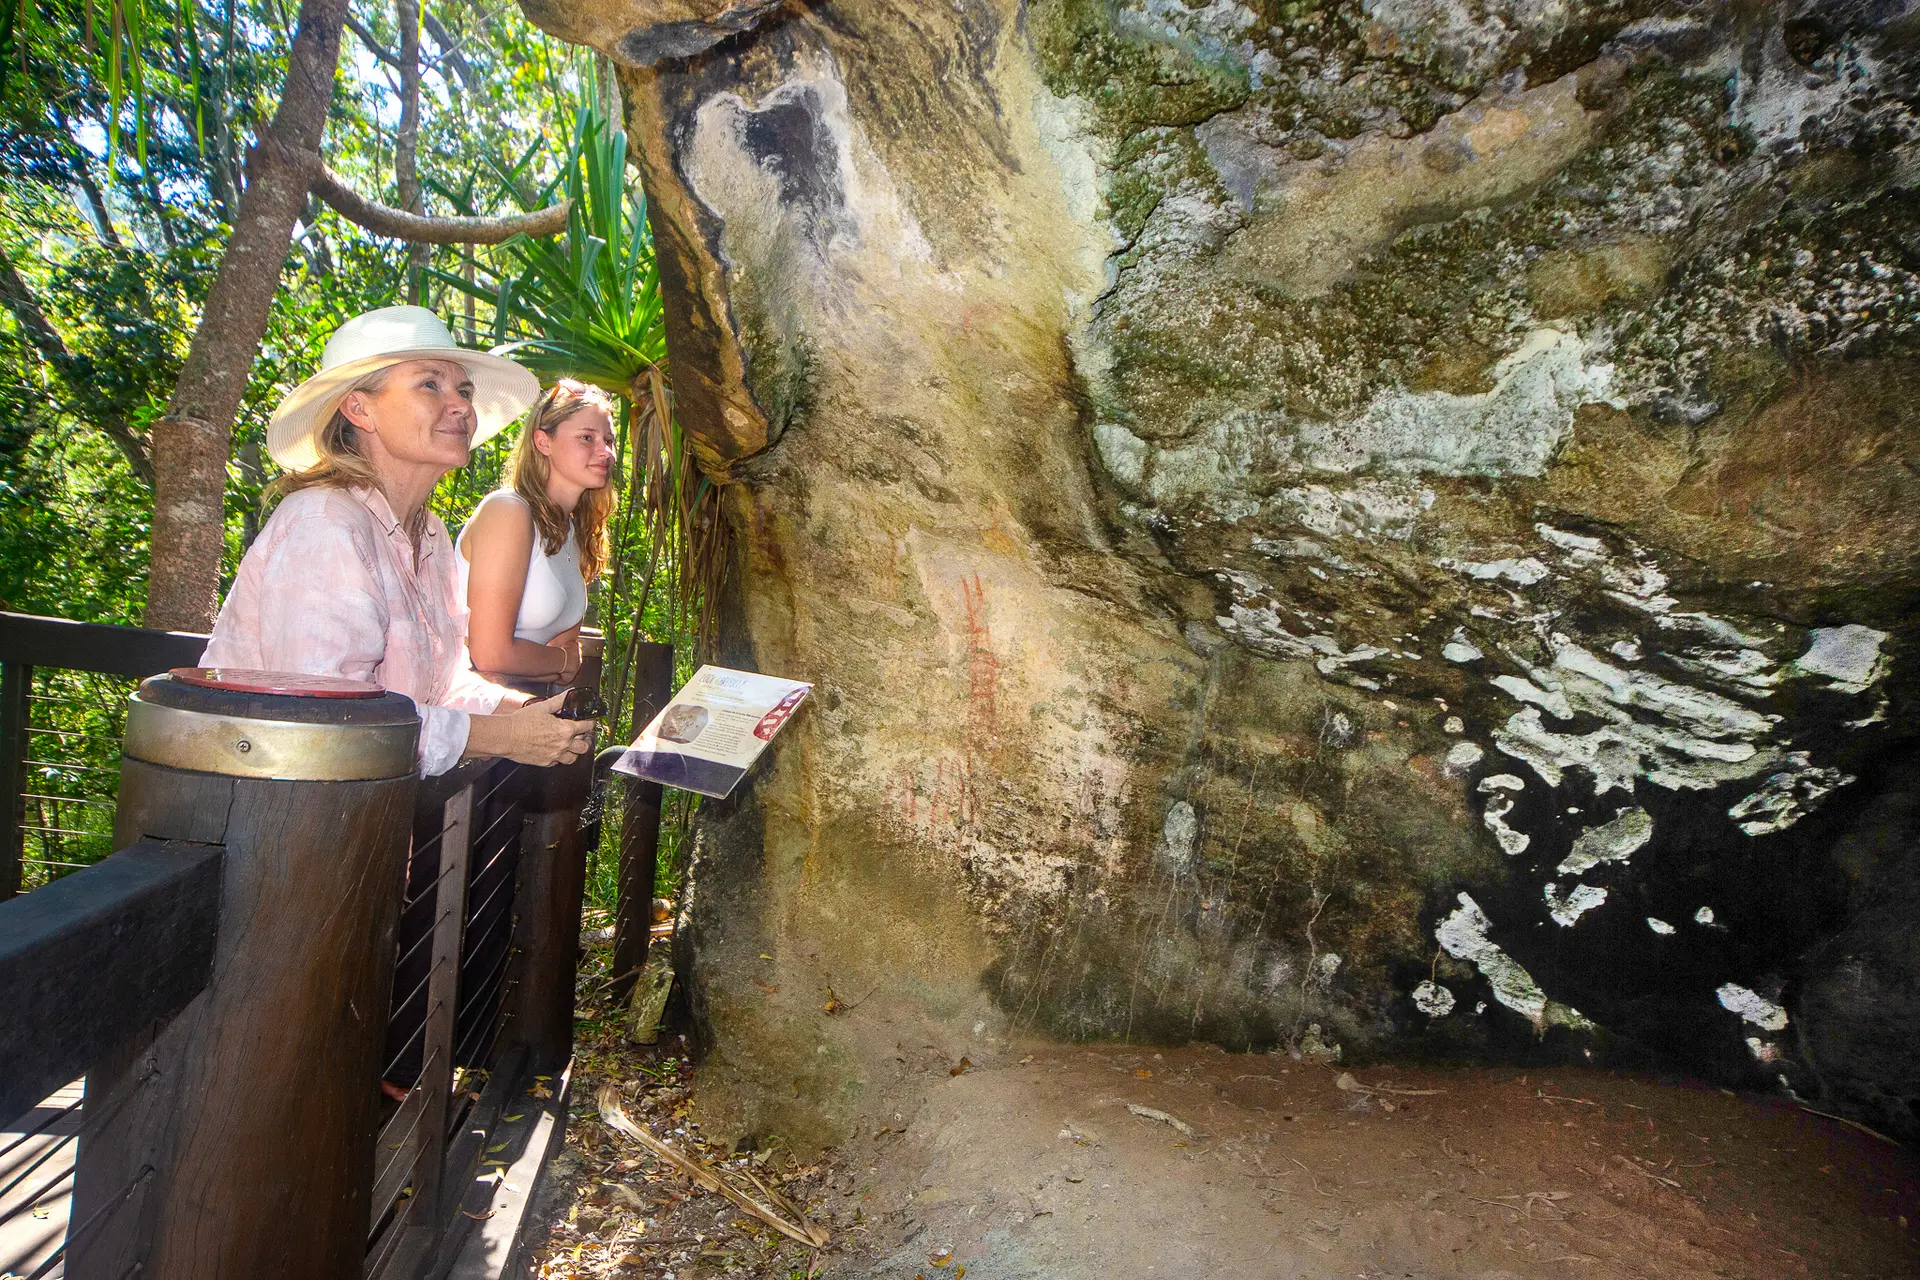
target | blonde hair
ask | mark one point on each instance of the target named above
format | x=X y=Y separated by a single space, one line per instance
x=530 y=470
x=341 y=464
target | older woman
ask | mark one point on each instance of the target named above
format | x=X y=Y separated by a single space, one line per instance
x=352 y=575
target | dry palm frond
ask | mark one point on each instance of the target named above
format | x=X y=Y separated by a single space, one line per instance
x=787 y=1218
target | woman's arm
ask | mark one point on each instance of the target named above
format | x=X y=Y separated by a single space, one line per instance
x=498 y=544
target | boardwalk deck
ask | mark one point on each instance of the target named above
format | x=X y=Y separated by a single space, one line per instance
x=36 y=1172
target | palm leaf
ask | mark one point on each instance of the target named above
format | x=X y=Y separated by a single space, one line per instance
x=586 y=304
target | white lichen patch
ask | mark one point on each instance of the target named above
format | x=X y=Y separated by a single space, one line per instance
x=1660 y=926
x=1367 y=509
x=1703 y=916
x=1513 y=429
x=1787 y=796
x=1463 y=935
x=1752 y=1006
x=1553 y=702
x=1123 y=453
x=1776 y=99
x=1700 y=713
x=1178 y=835
x=1582 y=549
x=1502 y=782
x=1567 y=908
x=1613 y=841
x=1849 y=657
x=1065 y=129
x=1462 y=757
x=1677 y=736
x=1523 y=572
x=1433 y=999
x=1254 y=619
x=1495 y=817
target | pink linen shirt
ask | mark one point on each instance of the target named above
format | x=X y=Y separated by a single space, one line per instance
x=331 y=587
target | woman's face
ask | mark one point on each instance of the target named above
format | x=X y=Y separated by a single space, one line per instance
x=579 y=450
x=421 y=416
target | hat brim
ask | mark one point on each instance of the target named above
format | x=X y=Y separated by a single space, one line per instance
x=502 y=391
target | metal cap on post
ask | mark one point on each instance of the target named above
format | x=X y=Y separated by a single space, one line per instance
x=238 y=1140
x=259 y=724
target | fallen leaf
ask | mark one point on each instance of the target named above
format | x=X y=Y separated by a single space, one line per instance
x=628 y=1194
x=940 y=1257
x=521 y=1116
x=478 y=1217
x=964 y=1064
x=1143 y=1073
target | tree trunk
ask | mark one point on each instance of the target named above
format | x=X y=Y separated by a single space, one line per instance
x=406 y=149
x=191 y=441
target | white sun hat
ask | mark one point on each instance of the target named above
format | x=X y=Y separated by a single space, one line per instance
x=502 y=390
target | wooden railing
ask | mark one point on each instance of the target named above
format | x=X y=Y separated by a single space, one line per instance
x=221 y=980
x=63 y=686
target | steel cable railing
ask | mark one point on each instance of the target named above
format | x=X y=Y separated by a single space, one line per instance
x=70 y=772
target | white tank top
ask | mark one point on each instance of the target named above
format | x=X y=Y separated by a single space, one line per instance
x=555 y=597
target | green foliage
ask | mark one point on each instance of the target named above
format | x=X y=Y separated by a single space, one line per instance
x=586 y=304
x=123 y=132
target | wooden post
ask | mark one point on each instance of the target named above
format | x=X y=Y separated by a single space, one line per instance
x=552 y=881
x=16 y=681
x=237 y=1141
x=640 y=827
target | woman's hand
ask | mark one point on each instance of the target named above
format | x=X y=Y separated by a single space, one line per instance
x=532 y=735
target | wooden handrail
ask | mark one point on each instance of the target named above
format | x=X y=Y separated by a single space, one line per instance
x=96 y=956
x=93 y=646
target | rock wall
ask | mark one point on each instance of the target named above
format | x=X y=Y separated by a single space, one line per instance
x=1374 y=528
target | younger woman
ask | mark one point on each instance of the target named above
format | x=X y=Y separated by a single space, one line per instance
x=528 y=553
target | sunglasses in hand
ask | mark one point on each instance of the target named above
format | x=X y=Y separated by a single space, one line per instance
x=581 y=704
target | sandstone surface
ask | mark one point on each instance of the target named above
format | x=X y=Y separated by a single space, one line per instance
x=1384 y=529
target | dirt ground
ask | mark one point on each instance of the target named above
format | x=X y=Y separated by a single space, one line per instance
x=1105 y=1162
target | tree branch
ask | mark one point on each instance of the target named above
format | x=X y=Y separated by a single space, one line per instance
x=406 y=144
x=385 y=220
x=450 y=53
x=374 y=47
x=74 y=371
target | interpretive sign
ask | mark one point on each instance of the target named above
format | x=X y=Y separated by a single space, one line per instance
x=707 y=738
